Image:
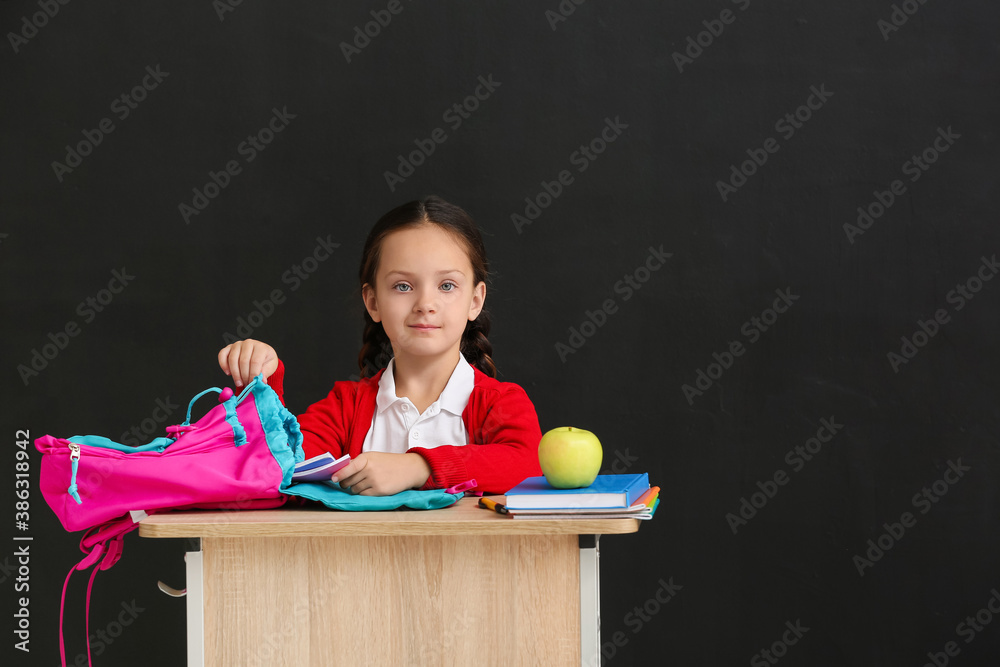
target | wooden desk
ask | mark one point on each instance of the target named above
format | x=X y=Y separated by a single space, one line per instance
x=453 y=586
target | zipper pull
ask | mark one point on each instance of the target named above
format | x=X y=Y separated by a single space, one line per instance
x=74 y=457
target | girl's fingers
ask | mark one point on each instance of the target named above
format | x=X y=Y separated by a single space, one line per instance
x=224 y=359
x=236 y=362
x=245 y=359
x=246 y=353
x=351 y=473
x=257 y=359
x=233 y=363
x=348 y=479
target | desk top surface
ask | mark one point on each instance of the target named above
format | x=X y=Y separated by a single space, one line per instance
x=463 y=518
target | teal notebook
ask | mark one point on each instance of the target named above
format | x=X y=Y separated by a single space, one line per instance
x=606 y=491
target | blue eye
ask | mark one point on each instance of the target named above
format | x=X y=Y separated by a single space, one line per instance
x=401 y=285
x=452 y=285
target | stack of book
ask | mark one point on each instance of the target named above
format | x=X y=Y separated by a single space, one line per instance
x=609 y=497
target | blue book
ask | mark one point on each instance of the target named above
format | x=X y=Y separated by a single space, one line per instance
x=606 y=491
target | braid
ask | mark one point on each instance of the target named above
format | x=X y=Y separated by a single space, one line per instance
x=375 y=349
x=476 y=347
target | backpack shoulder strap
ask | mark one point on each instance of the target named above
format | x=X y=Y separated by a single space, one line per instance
x=103 y=546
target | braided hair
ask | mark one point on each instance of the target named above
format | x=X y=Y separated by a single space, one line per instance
x=376 y=349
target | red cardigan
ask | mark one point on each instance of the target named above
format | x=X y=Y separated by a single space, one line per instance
x=500 y=419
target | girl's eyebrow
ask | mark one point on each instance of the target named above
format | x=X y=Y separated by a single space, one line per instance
x=440 y=273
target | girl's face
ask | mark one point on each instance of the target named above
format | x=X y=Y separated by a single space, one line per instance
x=424 y=293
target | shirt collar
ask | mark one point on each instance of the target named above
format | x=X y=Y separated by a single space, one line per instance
x=454 y=398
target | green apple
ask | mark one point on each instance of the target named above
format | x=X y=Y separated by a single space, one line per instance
x=570 y=457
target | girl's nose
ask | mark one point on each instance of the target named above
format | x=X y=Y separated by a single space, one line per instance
x=426 y=302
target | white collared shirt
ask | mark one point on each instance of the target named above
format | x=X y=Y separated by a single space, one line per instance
x=397 y=426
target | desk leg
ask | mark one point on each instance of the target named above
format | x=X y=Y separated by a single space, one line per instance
x=590 y=601
x=195 y=609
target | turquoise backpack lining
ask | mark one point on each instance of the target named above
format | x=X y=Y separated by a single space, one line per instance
x=338 y=499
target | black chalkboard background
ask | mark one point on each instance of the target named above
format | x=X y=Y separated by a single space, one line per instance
x=744 y=152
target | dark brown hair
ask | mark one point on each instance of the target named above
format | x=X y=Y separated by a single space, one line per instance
x=376 y=350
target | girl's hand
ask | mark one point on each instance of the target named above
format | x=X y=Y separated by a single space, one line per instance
x=245 y=359
x=383 y=474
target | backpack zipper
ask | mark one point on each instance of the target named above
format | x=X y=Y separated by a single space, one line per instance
x=74 y=457
x=76 y=451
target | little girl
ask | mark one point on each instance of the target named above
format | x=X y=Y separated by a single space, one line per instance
x=428 y=419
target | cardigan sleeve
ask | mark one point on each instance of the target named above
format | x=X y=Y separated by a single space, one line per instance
x=277 y=381
x=504 y=434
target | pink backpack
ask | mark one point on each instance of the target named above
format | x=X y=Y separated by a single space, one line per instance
x=240 y=455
